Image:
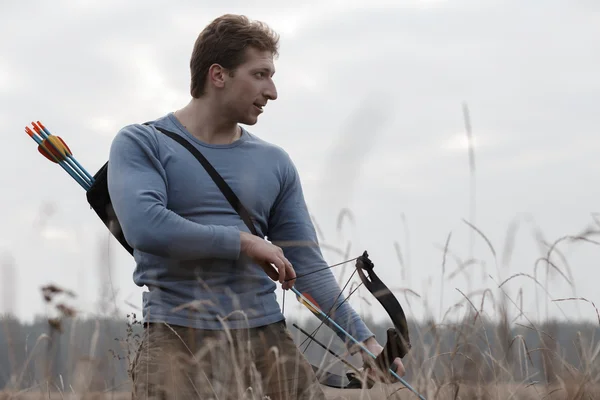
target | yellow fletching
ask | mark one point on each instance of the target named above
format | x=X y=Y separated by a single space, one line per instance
x=307 y=304
x=56 y=147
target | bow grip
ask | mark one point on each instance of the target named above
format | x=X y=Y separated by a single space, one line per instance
x=395 y=346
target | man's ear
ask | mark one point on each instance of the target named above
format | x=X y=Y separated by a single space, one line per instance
x=217 y=75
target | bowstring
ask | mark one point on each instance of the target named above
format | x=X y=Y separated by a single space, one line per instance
x=333 y=308
x=322 y=269
x=314 y=272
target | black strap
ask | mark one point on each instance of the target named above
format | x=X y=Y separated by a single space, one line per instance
x=223 y=186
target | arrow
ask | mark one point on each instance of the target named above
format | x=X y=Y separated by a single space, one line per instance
x=59 y=148
x=69 y=154
x=309 y=304
x=56 y=150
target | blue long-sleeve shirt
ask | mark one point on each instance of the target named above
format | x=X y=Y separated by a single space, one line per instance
x=186 y=235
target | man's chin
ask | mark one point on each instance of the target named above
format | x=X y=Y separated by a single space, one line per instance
x=249 y=121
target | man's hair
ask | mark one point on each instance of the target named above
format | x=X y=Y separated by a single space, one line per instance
x=224 y=41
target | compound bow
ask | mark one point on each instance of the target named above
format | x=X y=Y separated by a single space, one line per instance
x=398 y=340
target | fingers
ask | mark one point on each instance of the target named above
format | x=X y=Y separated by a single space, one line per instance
x=279 y=263
x=399 y=367
x=274 y=263
x=287 y=275
x=281 y=270
x=290 y=274
x=271 y=271
x=286 y=272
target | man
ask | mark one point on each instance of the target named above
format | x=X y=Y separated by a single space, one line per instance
x=213 y=326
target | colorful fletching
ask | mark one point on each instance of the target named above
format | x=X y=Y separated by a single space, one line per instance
x=56 y=150
x=307 y=304
x=57 y=147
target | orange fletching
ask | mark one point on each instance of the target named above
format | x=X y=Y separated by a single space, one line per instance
x=54 y=145
x=46 y=154
x=62 y=146
x=308 y=305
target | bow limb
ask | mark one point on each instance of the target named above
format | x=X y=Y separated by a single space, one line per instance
x=398 y=340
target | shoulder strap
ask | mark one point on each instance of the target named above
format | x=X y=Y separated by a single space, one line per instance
x=223 y=186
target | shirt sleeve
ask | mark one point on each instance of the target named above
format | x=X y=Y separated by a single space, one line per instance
x=137 y=185
x=291 y=228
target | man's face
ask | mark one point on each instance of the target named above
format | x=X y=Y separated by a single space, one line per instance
x=246 y=92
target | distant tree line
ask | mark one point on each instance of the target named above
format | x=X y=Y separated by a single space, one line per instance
x=74 y=354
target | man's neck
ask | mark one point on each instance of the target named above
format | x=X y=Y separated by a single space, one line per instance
x=202 y=120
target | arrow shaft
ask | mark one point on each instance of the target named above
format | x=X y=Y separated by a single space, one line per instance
x=79 y=170
x=90 y=177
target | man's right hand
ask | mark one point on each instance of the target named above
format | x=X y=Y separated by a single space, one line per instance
x=266 y=255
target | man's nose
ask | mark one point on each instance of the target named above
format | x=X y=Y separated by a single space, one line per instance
x=271 y=92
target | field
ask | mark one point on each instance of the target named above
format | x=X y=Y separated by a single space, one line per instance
x=485 y=354
x=439 y=367
x=378 y=392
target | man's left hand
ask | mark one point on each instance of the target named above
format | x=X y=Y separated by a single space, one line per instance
x=374 y=347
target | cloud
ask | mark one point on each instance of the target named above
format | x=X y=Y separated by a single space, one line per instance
x=369 y=108
x=5 y=78
x=56 y=234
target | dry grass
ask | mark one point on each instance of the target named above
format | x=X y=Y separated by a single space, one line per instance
x=378 y=392
x=471 y=358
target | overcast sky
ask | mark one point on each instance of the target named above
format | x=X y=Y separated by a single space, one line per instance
x=370 y=108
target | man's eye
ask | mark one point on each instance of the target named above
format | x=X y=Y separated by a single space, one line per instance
x=260 y=74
